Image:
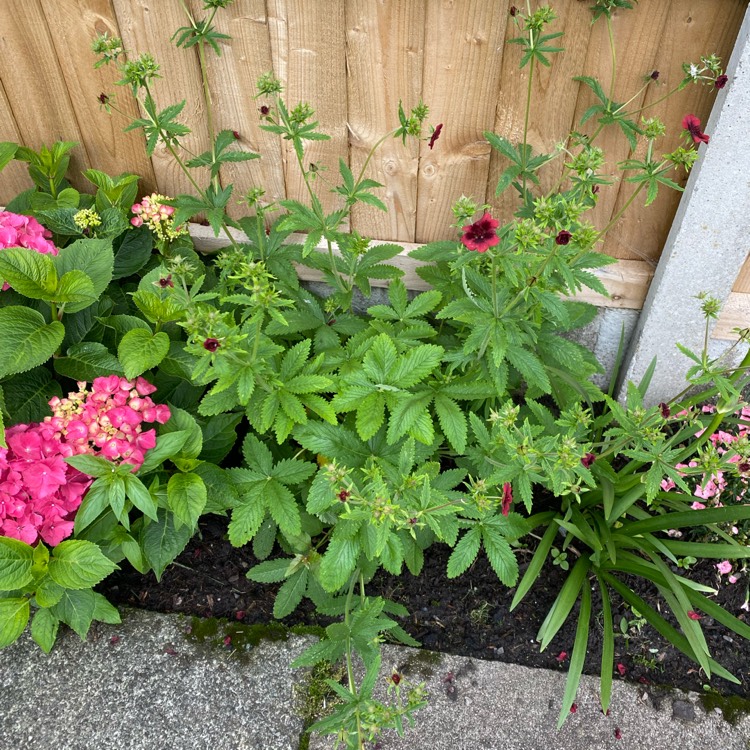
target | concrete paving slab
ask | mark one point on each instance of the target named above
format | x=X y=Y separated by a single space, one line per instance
x=143 y=686
x=478 y=705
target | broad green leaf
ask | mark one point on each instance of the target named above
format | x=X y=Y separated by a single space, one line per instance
x=167 y=445
x=92 y=256
x=30 y=273
x=7 y=153
x=104 y=611
x=133 y=252
x=186 y=495
x=338 y=563
x=44 y=628
x=140 y=351
x=162 y=542
x=48 y=593
x=76 y=609
x=87 y=361
x=76 y=290
x=94 y=466
x=247 y=517
x=16 y=560
x=28 y=340
x=14 y=615
x=27 y=395
x=78 y=564
x=139 y=495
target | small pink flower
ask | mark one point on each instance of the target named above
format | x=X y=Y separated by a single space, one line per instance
x=562 y=656
x=693 y=615
x=507 y=498
x=697 y=506
x=621 y=669
x=724 y=567
x=733 y=579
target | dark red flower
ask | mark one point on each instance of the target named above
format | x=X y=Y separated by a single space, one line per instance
x=574 y=708
x=595 y=189
x=240 y=614
x=664 y=409
x=507 y=498
x=264 y=110
x=693 y=126
x=395 y=678
x=655 y=75
x=562 y=656
x=481 y=235
x=435 y=135
x=588 y=459
x=743 y=467
x=621 y=669
x=211 y=345
x=721 y=81
x=513 y=10
x=618 y=733
x=563 y=237
x=236 y=135
x=344 y=495
x=693 y=615
x=104 y=98
x=166 y=281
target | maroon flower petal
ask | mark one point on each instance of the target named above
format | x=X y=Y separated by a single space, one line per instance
x=435 y=135
x=481 y=235
x=563 y=237
x=211 y=345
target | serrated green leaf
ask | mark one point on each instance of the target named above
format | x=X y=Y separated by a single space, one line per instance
x=270 y=571
x=78 y=564
x=16 y=560
x=290 y=594
x=247 y=516
x=452 y=422
x=283 y=508
x=163 y=541
x=87 y=361
x=500 y=555
x=338 y=563
x=186 y=495
x=27 y=341
x=29 y=272
x=44 y=628
x=14 y=615
x=76 y=609
x=464 y=553
x=139 y=351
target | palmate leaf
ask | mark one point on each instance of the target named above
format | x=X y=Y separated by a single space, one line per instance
x=500 y=555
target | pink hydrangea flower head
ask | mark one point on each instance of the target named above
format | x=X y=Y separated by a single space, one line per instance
x=17 y=230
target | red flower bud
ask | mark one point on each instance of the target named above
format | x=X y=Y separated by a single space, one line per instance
x=655 y=75
x=563 y=237
x=721 y=81
x=588 y=459
x=618 y=733
x=211 y=345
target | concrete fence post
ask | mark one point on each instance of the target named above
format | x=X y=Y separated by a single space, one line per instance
x=708 y=242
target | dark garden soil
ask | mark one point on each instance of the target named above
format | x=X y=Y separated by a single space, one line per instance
x=467 y=616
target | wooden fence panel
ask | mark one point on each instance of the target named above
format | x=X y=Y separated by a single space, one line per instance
x=34 y=84
x=232 y=84
x=15 y=177
x=384 y=54
x=352 y=62
x=146 y=26
x=553 y=101
x=310 y=60
x=76 y=23
x=462 y=72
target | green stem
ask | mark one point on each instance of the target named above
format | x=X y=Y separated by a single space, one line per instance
x=653 y=103
x=494 y=287
x=614 y=58
x=526 y=117
x=619 y=214
x=349 y=664
x=209 y=106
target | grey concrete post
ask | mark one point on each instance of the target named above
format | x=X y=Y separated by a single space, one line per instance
x=708 y=242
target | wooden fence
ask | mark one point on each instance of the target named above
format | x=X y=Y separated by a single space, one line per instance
x=353 y=60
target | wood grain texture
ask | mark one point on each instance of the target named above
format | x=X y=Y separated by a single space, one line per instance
x=553 y=101
x=76 y=23
x=232 y=85
x=735 y=314
x=384 y=57
x=692 y=29
x=34 y=84
x=146 y=26
x=309 y=58
x=15 y=177
x=463 y=56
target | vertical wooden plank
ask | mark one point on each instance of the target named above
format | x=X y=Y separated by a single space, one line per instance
x=463 y=50
x=34 y=84
x=308 y=44
x=147 y=26
x=700 y=27
x=76 y=23
x=384 y=55
x=14 y=178
x=232 y=83
x=553 y=100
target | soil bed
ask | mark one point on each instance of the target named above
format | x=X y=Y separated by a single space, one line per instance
x=468 y=616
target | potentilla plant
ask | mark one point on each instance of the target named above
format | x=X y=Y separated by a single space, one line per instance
x=364 y=439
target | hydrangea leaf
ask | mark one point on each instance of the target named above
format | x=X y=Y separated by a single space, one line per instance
x=14 y=614
x=28 y=340
x=16 y=560
x=162 y=541
x=78 y=564
x=186 y=495
x=44 y=628
x=139 y=351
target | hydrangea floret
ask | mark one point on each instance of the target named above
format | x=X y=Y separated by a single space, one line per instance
x=39 y=491
x=157 y=216
x=17 y=230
